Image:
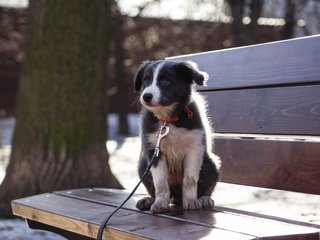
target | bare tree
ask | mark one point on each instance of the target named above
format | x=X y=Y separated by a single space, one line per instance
x=242 y=34
x=120 y=81
x=290 y=21
x=310 y=13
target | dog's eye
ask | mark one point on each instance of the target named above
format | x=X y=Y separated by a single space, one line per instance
x=147 y=80
x=164 y=82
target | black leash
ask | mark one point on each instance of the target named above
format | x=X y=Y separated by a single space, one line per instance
x=164 y=131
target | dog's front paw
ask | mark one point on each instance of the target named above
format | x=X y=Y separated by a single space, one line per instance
x=190 y=204
x=206 y=202
x=161 y=205
x=145 y=203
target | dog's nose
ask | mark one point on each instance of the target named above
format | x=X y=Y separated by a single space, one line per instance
x=147 y=97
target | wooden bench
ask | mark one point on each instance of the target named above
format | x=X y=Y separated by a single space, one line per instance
x=265 y=106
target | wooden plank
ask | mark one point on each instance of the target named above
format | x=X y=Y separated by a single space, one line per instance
x=238 y=211
x=285 y=62
x=278 y=164
x=285 y=110
x=66 y=215
x=84 y=217
x=228 y=220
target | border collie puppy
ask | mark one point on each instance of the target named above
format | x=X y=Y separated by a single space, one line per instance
x=186 y=170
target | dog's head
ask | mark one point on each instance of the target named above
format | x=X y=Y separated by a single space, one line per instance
x=166 y=84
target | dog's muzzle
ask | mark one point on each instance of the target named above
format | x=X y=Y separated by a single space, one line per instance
x=147 y=97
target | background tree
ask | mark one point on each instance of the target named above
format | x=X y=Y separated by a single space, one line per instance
x=119 y=69
x=309 y=11
x=242 y=34
x=290 y=21
x=60 y=135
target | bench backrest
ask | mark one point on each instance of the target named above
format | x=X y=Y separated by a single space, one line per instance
x=264 y=101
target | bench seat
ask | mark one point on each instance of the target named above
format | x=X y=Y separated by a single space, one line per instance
x=80 y=211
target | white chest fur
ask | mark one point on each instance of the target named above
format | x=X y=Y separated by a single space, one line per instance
x=180 y=144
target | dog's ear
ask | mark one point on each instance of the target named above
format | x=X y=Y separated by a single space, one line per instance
x=190 y=72
x=139 y=75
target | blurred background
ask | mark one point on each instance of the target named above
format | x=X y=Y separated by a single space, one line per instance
x=154 y=29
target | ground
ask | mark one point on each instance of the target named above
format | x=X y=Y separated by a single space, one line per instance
x=124 y=152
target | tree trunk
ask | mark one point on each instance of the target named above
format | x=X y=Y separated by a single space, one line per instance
x=288 y=29
x=60 y=134
x=122 y=93
x=238 y=29
x=253 y=28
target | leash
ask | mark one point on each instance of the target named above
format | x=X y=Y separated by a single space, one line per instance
x=164 y=131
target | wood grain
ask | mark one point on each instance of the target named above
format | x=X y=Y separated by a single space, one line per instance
x=292 y=61
x=277 y=164
x=226 y=219
x=286 y=110
x=84 y=217
x=64 y=214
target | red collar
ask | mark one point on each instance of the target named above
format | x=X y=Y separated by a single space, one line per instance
x=173 y=119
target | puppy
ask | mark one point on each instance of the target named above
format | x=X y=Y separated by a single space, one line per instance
x=186 y=170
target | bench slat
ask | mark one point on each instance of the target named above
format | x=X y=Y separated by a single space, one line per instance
x=226 y=219
x=291 y=61
x=84 y=217
x=62 y=212
x=99 y=202
x=277 y=164
x=285 y=110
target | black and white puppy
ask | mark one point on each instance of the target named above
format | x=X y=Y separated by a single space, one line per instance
x=186 y=171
